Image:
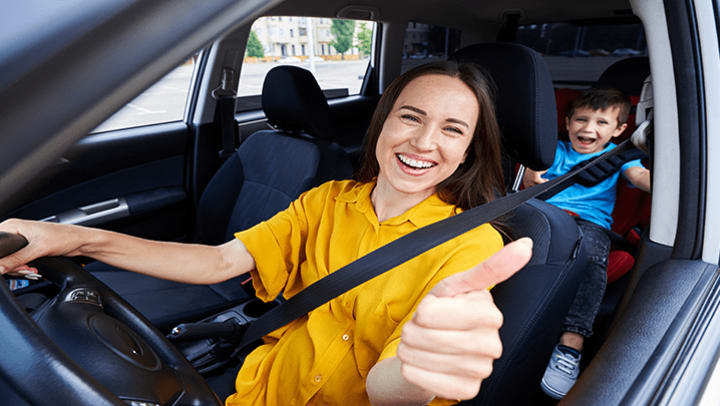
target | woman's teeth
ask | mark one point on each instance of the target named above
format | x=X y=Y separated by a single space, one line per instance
x=413 y=163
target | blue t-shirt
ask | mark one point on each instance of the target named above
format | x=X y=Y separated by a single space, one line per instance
x=594 y=203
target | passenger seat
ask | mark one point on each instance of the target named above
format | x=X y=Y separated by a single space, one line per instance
x=270 y=169
x=535 y=300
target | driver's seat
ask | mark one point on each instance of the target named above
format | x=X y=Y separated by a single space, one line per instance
x=535 y=300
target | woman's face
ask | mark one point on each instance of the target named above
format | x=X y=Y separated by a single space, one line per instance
x=426 y=135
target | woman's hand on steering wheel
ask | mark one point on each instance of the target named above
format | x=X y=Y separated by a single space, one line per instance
x=44 y=240
x=449 y=346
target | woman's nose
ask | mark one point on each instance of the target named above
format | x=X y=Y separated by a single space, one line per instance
x=424 y=138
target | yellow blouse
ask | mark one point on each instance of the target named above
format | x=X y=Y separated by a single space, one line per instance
x=324 y=357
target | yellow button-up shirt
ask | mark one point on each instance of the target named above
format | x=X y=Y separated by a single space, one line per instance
x=324 y=357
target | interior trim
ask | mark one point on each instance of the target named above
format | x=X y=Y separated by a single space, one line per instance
x=665 y=202
x=706 y=14
x=689 y=88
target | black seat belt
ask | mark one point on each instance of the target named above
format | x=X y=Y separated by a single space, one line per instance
x=395 y=253
x=225 y=112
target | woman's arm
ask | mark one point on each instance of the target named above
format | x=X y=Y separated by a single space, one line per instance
x=639 y=177
x=189 y=263
x=448 y=347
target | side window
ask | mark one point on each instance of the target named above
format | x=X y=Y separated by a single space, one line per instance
x=426 y=43
x=336 y=51
x=163 y=102
x=578 y=54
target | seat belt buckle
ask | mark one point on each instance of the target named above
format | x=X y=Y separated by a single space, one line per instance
x=223 y=154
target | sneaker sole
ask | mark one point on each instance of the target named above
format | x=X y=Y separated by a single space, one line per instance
x=550 y=391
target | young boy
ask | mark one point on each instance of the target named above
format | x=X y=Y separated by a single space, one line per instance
x=592 y=121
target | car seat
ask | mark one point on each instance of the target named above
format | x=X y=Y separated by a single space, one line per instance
x=632 y=206
x=534 y=301
x=270 y=169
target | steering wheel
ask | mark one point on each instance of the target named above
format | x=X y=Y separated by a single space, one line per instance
x=88 y=346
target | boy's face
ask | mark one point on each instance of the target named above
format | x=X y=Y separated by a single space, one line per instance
x=590 y=130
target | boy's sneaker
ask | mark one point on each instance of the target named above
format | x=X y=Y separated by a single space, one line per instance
x=562 y=371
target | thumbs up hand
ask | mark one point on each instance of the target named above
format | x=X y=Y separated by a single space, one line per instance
x=450 y=344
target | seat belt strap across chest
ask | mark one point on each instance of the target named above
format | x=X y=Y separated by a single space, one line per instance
x=407 y=247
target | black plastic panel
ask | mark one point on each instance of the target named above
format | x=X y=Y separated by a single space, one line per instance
x=638 y=349
x=115 y=152
x=162 y=173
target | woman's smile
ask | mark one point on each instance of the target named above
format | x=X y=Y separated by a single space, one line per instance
x=413 y=164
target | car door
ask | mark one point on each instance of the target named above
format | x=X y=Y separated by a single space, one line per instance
x=129 y=173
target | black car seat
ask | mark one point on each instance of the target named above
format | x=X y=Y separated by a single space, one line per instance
x=534 y=301
x=270 y=169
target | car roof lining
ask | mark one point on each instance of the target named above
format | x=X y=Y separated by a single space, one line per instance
x=463 y=15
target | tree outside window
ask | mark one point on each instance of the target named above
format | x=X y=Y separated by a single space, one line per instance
x=364 y=37
x=254 y=47
x=342 y=31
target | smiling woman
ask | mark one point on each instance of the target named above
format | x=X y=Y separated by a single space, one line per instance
x=399 y=338
x=441 y=114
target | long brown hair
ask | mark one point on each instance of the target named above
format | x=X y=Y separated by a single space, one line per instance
x=479 y=179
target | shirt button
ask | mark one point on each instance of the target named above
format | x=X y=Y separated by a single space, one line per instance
x=346 y=337
x=318 y=378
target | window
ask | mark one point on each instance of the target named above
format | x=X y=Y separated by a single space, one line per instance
x=578 y=54
x=163 y=102
x=337 y=52
x=426 y=43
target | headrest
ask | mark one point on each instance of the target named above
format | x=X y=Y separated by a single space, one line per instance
x=292 y=101
x=645 y=104
x=524 y=100
x=626 y=75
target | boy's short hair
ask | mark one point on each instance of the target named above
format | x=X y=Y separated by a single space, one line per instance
x=601 y=99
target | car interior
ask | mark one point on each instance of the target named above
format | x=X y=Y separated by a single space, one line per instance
x=292 y=130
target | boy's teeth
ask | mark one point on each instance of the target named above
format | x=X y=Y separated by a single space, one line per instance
x=415 y=163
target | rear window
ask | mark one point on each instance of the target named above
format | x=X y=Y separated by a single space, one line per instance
x=577 y=54
x=426 y=43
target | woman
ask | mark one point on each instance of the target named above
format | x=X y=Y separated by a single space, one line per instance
x=426 y=331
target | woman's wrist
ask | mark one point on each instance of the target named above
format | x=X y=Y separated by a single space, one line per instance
x=89 y=242
x=387 y=386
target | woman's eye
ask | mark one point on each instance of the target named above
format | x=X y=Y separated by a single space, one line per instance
x=454 y=130
x=410 y=117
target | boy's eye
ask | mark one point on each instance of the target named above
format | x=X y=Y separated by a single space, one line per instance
x=410 y=117
x=581 y=119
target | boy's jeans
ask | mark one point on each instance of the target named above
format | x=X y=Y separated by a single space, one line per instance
x=590 y=293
